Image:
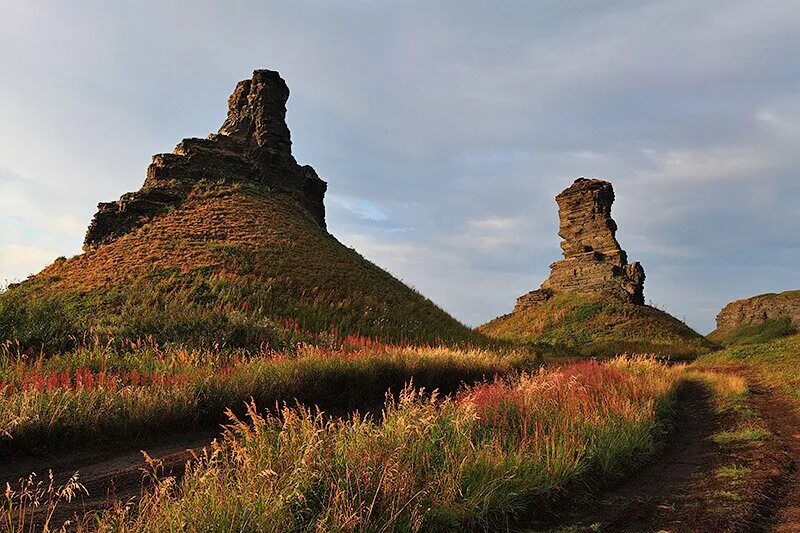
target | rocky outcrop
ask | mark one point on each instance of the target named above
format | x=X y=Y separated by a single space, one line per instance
x=253 y=146
x=758 y=310
x=593 y=260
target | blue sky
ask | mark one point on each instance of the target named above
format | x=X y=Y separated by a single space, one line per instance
x=444 y=129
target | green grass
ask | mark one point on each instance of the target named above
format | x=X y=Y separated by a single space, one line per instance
x=757 y=333
x=777 y=362
x=728 y=495
x=733 y=472
x=743 y=435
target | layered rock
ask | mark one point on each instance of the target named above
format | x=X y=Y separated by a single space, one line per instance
x=253 y=146
x=758 y=310
x=593 y=260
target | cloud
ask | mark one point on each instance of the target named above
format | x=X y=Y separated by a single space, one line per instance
x=444 y=129
x=19 y=260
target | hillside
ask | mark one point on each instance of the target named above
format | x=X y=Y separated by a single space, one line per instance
x=758 y=319
x=594 y=298
x=225 y=243
x=596 y=324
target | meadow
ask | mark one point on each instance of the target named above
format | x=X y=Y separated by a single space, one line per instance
x=599 y=326
x=495 y=453
x=101 y=393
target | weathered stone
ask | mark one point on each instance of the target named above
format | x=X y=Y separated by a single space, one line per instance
x=759 y=309
x=593 y=260
x=533 y=298
x=253 y=145
x=257 y=112
x=114 y=219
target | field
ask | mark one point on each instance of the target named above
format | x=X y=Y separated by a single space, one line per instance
x=352 y=434
x=100 y=394
x=495 y=453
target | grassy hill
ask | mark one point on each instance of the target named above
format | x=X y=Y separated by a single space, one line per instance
x=235 y=264
x=598 y=325
x=755 y=333
x=758 y=319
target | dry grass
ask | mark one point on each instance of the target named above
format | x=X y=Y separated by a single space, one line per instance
x=727 y=389
x=98 y=394
x=33 y=497
x=496 y=453
x=218 y=267
x=777 y=362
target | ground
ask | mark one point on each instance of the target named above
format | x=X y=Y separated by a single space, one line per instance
x=729 y=462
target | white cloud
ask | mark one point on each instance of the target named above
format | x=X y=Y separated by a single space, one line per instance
x=454 y=121
x=502 y=224
x=711 y=164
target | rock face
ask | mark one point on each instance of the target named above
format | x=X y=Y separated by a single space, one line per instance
x=759 y=309
x=593 y=260
x=253 y=146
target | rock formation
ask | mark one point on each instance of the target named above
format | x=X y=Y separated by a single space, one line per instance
x=253 y=145
x=224 y=243
x=759 y=309
x=593 y=260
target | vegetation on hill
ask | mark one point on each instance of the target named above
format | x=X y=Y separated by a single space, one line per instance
x=497 y=452
x=758 y=319
x=596 y=325
x=228 y=267
x=776 y=362
x=755 y=333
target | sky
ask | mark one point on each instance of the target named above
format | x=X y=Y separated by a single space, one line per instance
x=443 y=128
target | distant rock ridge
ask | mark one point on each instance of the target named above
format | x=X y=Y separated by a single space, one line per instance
x=593 y=260
x=253 y=146
x=758 y=310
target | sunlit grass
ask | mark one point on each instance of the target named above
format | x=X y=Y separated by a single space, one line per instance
x=777 y=363
x=97 y=394
x=496 y=452
x=743 y=435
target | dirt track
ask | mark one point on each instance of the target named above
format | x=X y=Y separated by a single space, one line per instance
x=635 y=503
x=680 y=490
x=108 y=473
x=784 y=422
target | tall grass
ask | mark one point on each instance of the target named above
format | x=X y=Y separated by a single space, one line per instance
x=97 y=394
x=496 y=453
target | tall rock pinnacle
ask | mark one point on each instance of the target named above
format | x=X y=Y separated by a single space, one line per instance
x=257 y=112
x=253 y=145
x=593 y=260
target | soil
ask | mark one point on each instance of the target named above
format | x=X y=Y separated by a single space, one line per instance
x=109 y=474
x=685 y=488
x=783 y=420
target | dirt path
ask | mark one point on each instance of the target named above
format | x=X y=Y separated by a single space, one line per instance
x=634 y=504
x=107 y=473
x=783 y=421
x=689 y=486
